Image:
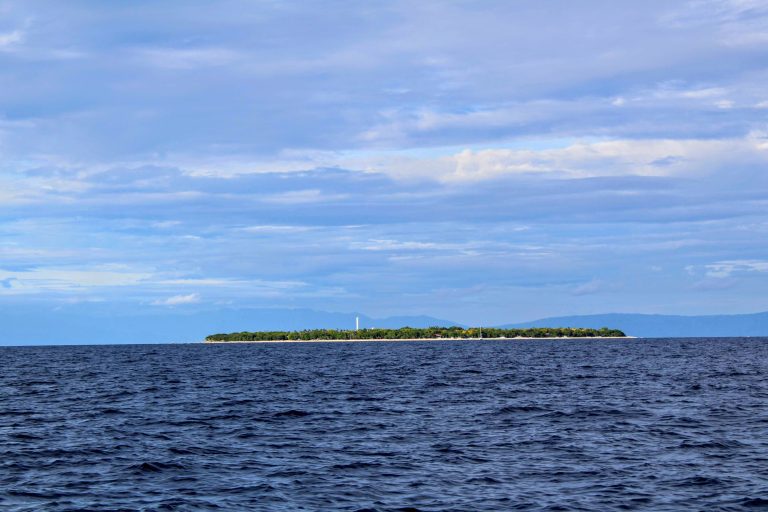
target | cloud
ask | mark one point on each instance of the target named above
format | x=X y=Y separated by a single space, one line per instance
x=303 y=197
x=714 y=284
x=253 y=284
x=207 y=89
x=166 y=224
x=593 y=287
x=8 y=40
x=723 y=269
x=39 y=280
x=188 y=58
x=395 y=245
x=716 y=12
x=647 y=157
x=297 y=154
x=272 y=229
x=178 y=300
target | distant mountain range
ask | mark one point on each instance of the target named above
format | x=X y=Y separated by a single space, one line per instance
x=662 y=326
x=101 y=323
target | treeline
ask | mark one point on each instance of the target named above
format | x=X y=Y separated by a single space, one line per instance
x=405 y=333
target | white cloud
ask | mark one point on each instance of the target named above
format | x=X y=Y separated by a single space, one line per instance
x=303 y=197
x=166 y=224
x=269 y=229
x=727 y=268
x=187 y=58
x=708 y=92
x=734 y=23
x=252 y=284
x=652 y=157
x=41 y=279
x=592 y=287
x=10 y=39
x=715 y=12
x=400 y=126
x=557 y=158
x=395 y=245
x=177 y=300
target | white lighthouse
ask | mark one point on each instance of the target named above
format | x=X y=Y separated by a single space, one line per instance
x=357 y=323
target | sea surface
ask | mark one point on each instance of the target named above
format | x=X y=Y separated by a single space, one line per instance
x=636 y=424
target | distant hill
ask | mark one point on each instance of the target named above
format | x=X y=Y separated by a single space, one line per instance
x=95 y=323
x=100 y=323
x=662 y=326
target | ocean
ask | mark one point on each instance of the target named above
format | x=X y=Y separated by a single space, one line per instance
x=635 y=424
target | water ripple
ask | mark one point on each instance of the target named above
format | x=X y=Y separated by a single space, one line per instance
x=450 y=426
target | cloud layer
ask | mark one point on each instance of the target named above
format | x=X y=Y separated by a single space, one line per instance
x=485 y=162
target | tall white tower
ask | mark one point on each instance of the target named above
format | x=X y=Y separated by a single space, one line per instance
x=357 y=323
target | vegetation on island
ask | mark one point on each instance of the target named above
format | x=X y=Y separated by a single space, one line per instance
x=406 y=333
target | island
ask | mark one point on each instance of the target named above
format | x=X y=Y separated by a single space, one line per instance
x=414 y=334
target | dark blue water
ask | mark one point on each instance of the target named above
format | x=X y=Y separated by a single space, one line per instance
x=514 y=425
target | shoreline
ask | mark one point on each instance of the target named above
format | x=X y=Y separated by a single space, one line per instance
x=520 y=338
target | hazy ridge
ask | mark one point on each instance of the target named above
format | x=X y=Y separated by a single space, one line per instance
x=99 y=323
x=658 y=326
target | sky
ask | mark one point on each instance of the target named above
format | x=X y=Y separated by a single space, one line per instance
x=486 y=162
